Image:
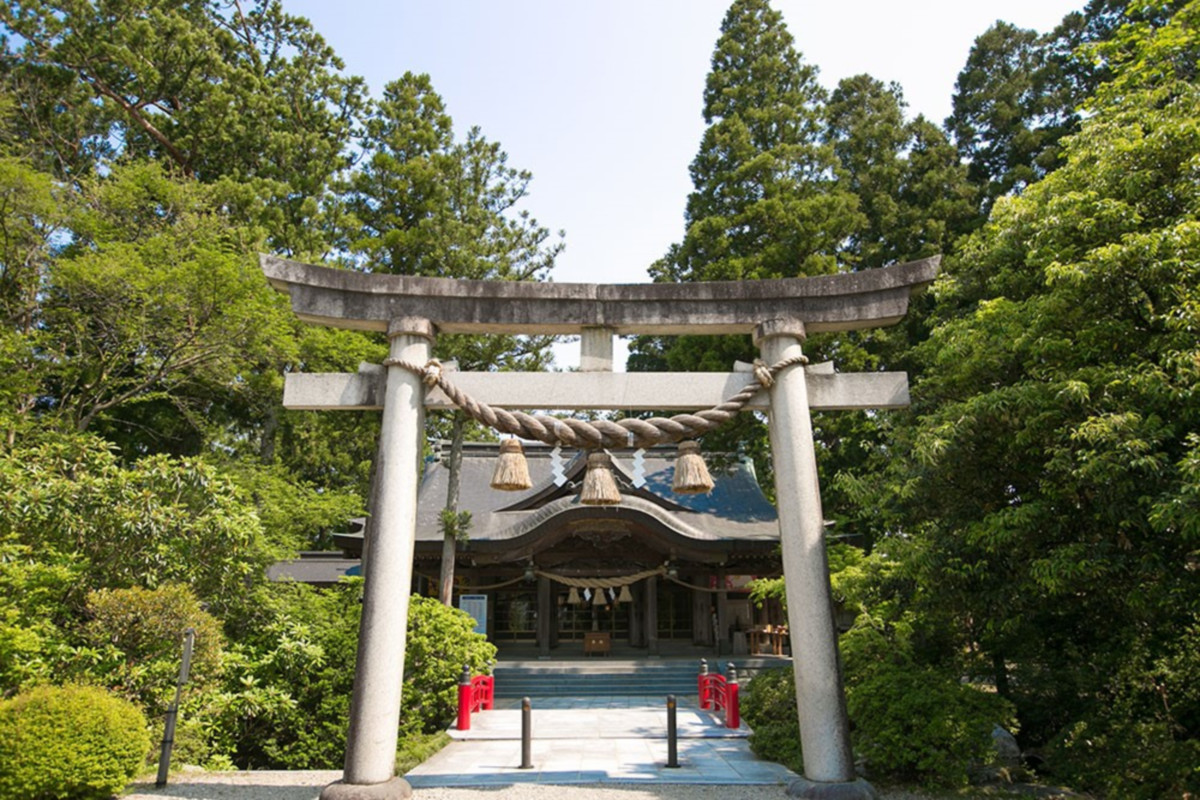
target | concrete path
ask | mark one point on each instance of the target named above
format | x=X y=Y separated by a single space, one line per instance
x=600 y=740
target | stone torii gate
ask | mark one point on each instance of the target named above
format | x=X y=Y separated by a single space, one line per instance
x=779 y=313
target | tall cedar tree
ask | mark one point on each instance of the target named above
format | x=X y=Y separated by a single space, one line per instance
x=765 y=203
x=910 y=185
x=424 y=204
x=916 y=199
x=1019 y=93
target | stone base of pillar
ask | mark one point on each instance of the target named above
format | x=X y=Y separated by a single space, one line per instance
x=815 y=790
x=395 y=789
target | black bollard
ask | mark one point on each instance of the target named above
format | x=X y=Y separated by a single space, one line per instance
x=526 y=734
x=672 y=735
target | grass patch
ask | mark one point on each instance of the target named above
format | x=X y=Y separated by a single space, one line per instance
x=413 y=750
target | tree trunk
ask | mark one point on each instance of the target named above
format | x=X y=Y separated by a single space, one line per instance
x=449 y=542
x=1001 y=670
x=266 y=443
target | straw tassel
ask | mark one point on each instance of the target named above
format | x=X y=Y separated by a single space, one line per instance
x=691 y=474
x=598 y=599
x=573 y=597
x=512 y=472
x=626 y=596
x=599 y=486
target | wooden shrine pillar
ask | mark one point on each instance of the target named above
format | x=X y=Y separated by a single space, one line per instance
x=652 y=615
x=637 y=616
x=702 y=627
x=721 y=600
x=545 y=619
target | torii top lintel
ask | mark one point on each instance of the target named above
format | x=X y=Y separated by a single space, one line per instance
x=845 y=301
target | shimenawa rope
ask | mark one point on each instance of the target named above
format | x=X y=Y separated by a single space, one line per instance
x=594 y=435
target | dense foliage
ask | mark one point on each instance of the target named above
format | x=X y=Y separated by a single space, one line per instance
x=148 y=473
x=1034 y=518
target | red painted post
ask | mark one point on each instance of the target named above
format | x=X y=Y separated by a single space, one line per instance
x=464 y=700
x=482 y=688
x=733 y=713
x=702 y=689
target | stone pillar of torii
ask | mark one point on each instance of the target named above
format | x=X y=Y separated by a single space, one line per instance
x=778 y=313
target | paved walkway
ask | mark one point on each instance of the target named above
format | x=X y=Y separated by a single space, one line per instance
x=597 y=740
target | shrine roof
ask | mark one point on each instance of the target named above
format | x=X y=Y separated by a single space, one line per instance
x=736 y=510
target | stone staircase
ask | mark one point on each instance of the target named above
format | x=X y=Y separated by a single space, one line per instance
x=585 y=679
x=604 y=677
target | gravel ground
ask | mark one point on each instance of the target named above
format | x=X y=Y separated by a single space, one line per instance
x=307 y=786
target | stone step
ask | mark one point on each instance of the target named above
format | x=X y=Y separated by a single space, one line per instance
x=601 y=677
x=585 y=680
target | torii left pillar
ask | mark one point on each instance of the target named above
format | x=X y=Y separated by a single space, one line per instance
x=370 y=772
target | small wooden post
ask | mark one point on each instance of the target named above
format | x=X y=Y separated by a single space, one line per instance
x=164 y=761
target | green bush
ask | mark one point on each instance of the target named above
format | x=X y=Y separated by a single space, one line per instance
x=1142 y=741
x=440 y=641
x=69 y=743
x=285 y=700
x=768 y=706
x=909 y=722
x=1133 y=760
x=139 y=634
x=415 y=749
x=918 y=723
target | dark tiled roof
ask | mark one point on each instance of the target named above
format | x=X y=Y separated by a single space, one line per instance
x=735 y=509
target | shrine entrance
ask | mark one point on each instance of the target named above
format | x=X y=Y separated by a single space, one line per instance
x=779 y=314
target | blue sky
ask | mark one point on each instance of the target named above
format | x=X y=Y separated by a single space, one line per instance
x=602 y=100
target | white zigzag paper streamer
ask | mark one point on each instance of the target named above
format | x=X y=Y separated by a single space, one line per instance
x=556 y=467
x=639 y=469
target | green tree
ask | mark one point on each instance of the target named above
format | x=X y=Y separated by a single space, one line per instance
x=154 y=522
x=916 y=199
x=214 y=88
x=1048 y=482
x=1095 y=24
x=31 y=216
x=1011 y=106
x=424 y=204
x=908 y=179
x=765 y=202
x=865 y=125
x=157 y=303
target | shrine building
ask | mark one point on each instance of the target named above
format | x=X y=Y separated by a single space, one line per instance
x=659 y=571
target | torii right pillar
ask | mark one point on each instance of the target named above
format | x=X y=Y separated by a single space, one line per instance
x=821 y=705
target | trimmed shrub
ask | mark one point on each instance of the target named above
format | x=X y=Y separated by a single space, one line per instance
x=440 y=641
x=909 y=723
x=917 y=723
x=285 y=701
x=139 y=633
x=769 y=707
x=69 y=743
